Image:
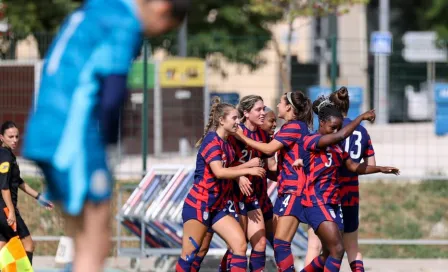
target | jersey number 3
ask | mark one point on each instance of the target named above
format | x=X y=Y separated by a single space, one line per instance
x=330 y=160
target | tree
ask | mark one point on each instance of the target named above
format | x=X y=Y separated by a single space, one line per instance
x=226 y=28
x=291 y=10
x=436 y=18
x=38 y=17
x=426 y=16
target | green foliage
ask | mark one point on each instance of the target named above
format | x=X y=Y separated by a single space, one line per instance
x=436 y=17
x=420 y=15
x=26 y=17
x=229 y=28
x=296 y=8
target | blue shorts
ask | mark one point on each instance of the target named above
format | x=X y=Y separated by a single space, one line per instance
x=231 y=209
x=246 y=206
x=206 y=218
x=86 y=179
x=317 y=214
x=351 y=218
x=290 y=205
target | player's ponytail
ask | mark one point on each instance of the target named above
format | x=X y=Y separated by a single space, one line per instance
x=246 y=104
x=302 y=107
x=216 y=100
x=341 y=99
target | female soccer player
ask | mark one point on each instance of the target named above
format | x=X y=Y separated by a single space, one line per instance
x=359 y=147
x=321 y=194
x=205 y=205
x=270 y=121
x=269 y=125
x=295 y=109
x=251 y=192
x=82 y=89
x=10 y=182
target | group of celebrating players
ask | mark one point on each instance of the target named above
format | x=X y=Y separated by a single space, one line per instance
x=316 y=175
x=82 y=88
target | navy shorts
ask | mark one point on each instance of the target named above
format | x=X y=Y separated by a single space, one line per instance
x=207 y=218
x=231 y=209
x=329 y=212
x=351 y=218
x=290 y=205
x=246 y=206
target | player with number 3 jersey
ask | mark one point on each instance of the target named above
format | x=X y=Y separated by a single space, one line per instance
x=321 y=193
x=359 y=147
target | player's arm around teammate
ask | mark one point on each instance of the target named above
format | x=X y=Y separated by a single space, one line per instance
x=204 y=206
x=11 y=181
x=295 y=109
x=322 y=189
x=251 y=194
x=359 y=146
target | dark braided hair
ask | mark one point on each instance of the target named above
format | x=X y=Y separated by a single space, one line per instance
x=217 y=110
x=325 y=109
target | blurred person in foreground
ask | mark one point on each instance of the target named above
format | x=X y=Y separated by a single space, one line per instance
x=76 y=116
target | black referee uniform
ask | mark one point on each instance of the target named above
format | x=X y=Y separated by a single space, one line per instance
x=10 y=179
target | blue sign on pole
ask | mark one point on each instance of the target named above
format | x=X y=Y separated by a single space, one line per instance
x=381 y=43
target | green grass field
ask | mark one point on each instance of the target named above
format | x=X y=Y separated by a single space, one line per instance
x=404 y=211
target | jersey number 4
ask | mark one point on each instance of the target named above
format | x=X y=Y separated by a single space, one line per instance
x=356 y=153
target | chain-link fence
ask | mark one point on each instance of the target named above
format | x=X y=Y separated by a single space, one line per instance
x=168 y=106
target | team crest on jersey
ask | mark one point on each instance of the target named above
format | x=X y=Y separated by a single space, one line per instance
x=333 y=214
x=4 y=167
x=205 y=215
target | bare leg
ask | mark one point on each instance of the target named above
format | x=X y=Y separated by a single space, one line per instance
x=314 y=246
x=91 y=231
x=351 y=246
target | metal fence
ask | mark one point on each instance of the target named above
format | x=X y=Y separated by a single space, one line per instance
x=169 y=101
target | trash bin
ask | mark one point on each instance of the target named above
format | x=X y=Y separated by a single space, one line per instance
x=441 y=99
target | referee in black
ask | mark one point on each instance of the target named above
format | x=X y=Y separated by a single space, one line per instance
x=10 y=182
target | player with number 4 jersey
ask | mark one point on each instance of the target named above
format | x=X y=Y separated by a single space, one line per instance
x=295 y=109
